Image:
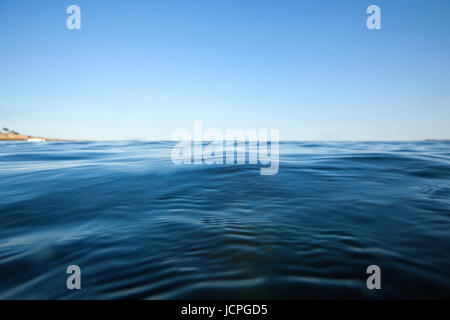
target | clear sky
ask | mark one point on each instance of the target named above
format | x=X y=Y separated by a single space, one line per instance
x=141 y=69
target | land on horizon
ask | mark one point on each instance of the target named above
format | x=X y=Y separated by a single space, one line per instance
x=11 y=135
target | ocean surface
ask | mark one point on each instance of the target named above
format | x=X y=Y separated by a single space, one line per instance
x=139 y=226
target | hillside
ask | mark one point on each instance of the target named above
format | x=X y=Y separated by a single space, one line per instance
x=10 y=135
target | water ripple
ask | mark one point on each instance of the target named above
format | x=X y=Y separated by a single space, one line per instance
x=141 y=227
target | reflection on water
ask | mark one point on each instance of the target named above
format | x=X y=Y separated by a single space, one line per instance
x=141 y=227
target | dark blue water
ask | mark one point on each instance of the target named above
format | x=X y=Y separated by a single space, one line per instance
x=140 y=227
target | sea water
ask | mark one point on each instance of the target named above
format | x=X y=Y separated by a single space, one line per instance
x=139 y=226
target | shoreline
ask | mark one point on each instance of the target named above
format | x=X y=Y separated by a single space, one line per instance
x=23 y=137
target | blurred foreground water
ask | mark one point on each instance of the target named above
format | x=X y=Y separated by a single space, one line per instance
x=140 y=227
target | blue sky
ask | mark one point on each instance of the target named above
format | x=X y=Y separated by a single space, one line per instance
x=141 y=69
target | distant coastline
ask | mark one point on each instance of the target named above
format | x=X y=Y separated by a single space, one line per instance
x=11 y=135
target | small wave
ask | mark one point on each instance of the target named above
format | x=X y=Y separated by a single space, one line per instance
x=141 y=227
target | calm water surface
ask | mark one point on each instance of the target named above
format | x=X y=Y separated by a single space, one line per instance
x=141 y=227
